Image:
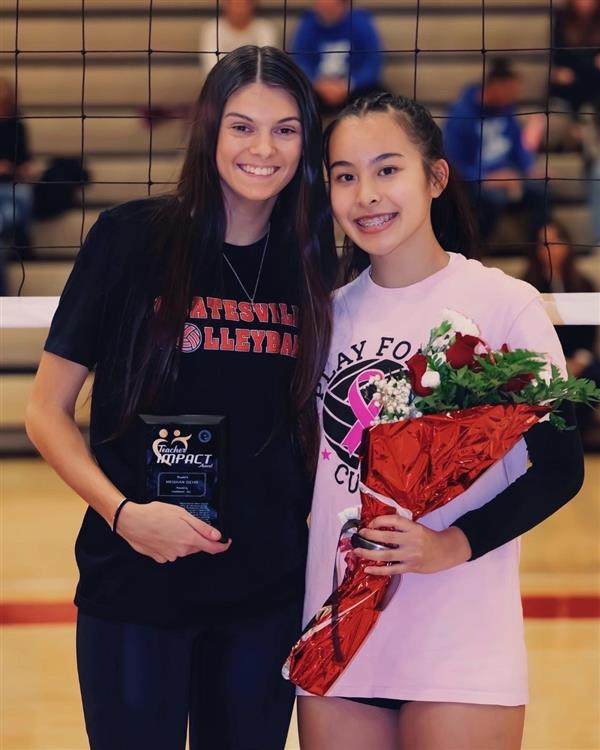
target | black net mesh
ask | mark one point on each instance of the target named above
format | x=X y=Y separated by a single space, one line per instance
x=102 y=90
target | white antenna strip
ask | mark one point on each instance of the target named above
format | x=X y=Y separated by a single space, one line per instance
x=563 y=309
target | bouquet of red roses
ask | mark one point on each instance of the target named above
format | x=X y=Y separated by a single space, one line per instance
x=458 y=409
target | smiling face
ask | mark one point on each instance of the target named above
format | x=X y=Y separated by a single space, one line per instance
x=380 y=193
x=259 y=144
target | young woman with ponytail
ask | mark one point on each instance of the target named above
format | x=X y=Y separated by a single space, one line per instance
x=445 y=666
x=215 y=300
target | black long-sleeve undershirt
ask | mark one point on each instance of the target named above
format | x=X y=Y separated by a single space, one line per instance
x=554 y=477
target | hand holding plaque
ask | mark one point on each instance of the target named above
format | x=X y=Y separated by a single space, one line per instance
x=184 y=459
x=164 y=532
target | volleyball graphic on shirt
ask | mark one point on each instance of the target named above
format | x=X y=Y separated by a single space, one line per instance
x=345 y=412
x=191 y=339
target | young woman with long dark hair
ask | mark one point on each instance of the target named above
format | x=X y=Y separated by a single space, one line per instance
x=212 y=301
x=445 y=665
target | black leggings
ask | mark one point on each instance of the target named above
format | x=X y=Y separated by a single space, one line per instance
x=140 y=683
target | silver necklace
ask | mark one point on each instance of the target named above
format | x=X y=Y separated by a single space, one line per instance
x=262 y=260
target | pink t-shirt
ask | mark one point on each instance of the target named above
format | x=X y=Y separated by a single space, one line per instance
x=456 y=635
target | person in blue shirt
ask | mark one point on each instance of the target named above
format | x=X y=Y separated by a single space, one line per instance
x=339 y=49
x=485 y=141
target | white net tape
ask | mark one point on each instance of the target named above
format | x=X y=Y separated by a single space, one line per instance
x=563 y=309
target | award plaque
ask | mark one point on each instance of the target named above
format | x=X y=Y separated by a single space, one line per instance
x=184 y=463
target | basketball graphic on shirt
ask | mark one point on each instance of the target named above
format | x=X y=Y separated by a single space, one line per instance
x=191 y=339
x=346 y=412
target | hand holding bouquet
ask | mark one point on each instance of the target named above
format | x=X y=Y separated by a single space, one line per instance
x=437 y=427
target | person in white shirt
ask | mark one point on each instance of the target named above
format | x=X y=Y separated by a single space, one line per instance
x=237 y=26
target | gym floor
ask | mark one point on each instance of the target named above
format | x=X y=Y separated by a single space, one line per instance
x=39 y=693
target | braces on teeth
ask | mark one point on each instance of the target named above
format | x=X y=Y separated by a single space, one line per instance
x=375 y=222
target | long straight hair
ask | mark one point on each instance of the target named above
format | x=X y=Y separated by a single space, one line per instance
x=451 y=216
x=189 y=231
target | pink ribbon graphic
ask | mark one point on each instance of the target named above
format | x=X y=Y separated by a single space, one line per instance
x=364 y=413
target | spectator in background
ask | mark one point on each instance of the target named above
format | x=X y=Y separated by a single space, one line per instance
x=340 y=51
x=484 y=140
x=575 y=74
x=237 y=26
x=590 y=136
x=15 y=198
x=552 y=268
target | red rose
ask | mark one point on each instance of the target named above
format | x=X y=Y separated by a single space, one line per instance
x=462 y=351
x=417 y=364
x=516 y=384
x=505 y=348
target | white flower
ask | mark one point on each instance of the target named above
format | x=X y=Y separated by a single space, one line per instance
x=350 y=514
x=460 y=323
x=431 y=379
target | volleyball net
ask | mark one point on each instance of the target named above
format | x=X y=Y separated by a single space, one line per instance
x=102 y=91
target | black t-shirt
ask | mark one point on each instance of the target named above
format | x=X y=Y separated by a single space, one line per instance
x=13 y=144
x=236 y=360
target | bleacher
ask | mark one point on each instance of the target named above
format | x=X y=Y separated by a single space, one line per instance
x=116 y=81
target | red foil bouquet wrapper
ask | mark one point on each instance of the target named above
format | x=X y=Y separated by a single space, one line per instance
x=422 y=463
